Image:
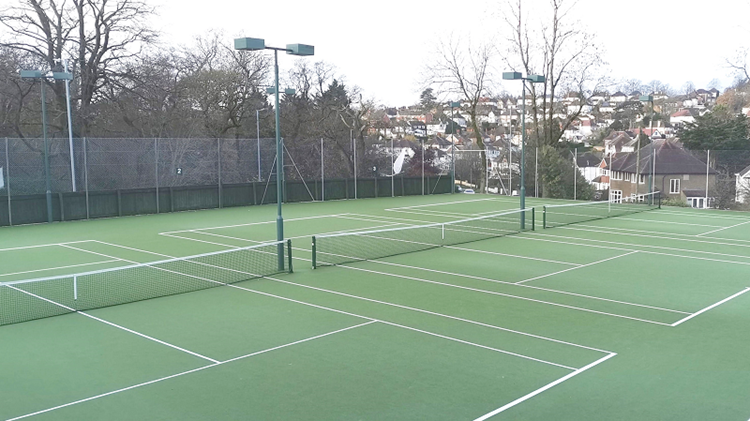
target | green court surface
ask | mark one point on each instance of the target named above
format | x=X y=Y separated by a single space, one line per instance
x=637 y=317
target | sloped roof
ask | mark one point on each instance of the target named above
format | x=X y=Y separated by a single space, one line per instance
x=671 y=158
x=745 y=172
x=588 y=159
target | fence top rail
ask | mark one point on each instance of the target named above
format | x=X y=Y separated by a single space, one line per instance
x=432 y=225
x=140 y=265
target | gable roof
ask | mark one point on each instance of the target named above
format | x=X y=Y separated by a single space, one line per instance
x=671 y=158
x=745 y=172
x=588 y=159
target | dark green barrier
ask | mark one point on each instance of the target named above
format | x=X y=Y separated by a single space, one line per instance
x=29 y=209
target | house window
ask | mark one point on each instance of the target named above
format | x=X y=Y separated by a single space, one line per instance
x=642 y=179
x=615 y=196
x=627 y=176
x=674 y=186
x=616 y=175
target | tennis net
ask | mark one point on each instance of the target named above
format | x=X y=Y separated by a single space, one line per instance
x=26 y=300
x=573 y=213
x=349 y=247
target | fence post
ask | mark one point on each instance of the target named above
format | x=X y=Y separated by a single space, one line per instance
x=322 y=174
x=156 y=171
x=218 y=165
x=7 y=181
x=86 y=176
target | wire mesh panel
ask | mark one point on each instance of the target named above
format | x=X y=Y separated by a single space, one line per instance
x=117 y=164
x=33 y=299
x=366 y=245
x=5 y=205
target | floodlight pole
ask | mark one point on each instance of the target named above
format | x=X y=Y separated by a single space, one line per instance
x=532 y=79
x=257 y=133
x=253 y=44
x=46 y=154
x=70 y=128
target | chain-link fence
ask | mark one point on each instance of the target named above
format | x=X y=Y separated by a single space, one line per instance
x=114 y=177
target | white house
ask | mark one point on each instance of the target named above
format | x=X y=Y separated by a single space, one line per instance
x=594 y=170
x=681 y=118
x=618 y=97
x=743 y=186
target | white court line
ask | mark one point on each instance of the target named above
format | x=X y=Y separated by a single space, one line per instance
x=254 y=223
x=679 y=322
x=643 y=246
x=60 y=267
x=482 y=291
x=378 y=302
x=739 y=216
x=687 y=240
x=187 y=372
x=365 y=317
x=512 y=255
x=725 y=228
x=578 y=267
x=115 y=325
x=480 y=278
x=542 y=389
x=625 y=218
x=43 y=245
x=492 y=292
x=441 y=214
x=443 y=203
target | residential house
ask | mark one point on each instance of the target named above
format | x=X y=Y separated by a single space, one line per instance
x=682 y=117
x=594 y=169
x=618 y=98
x=676 y=173
x=743 y=186
x=619 y=142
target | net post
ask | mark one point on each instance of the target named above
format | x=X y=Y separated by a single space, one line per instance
x=544 y=217
x=442 y=231
x=659 y=200
x=533 y=219
x=314 y=253
x=289 y=254
x=75 y=288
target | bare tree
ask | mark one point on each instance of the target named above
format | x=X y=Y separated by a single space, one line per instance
x=98 y=34
x=563 y=52
x=463 y=70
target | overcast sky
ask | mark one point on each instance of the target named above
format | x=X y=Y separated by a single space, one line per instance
x=382 y=46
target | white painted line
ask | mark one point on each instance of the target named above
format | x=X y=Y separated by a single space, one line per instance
x=453 y=202
x=381 y=302
x=679 y=322
x=394 y=305
x=480 y=278
x=482 y=291
x=60 y=267
x=725 y=228
x=690 y=240
x=43 y=245
x=641 y=246
x=253 y=223
x=526 y=357
x=72 y=310
x=542 y=389
x=577 y=267
x=512 y=255
x=185 y=372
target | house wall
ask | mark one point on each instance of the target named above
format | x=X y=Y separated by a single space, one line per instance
x=662 y=183
x=743 y=189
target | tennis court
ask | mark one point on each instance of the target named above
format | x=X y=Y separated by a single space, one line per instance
x=441 y=307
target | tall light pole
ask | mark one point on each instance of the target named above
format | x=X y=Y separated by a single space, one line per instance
x=38 y=74
x=532 y=79
x=454 y=105
x=254 y=44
